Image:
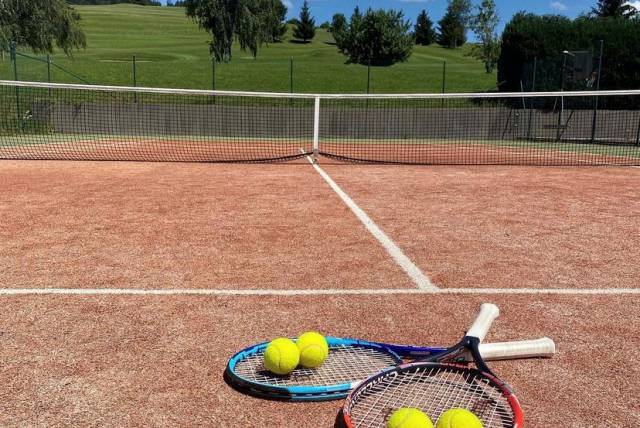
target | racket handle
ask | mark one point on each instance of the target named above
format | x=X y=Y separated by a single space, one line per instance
x=488 y=313
x=538 y=348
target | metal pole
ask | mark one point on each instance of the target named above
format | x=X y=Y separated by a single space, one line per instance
x=14 y=58
x=135 y=79
x=49 y=68
x=533 y=88
x=316 y=129
x=291 y=75
x=213 y=74
x=564 y=64
x=444 y=80
x=595 y=107
x=369 y=77
x=638 y=135
x=135 y=72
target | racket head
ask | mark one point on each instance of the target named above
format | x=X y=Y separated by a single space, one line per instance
x=434 y=388
x=349 y=361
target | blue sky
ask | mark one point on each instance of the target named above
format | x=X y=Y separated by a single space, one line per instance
x=323 y=10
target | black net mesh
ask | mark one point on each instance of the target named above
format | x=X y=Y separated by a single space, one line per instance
x=39 y=121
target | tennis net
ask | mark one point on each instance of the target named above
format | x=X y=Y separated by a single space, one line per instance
x=81 y=122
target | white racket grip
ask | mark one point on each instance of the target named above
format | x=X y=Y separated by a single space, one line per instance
x=538 y=348
x=488 y=313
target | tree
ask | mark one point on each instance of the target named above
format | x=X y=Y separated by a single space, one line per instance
x=338 y=27
x=306 y=28
x=378 y=37
x=39 y=25
x=484 y=25
x=102 y=2
x=613 y=9
x=529 y=39
x=248 y=21
x=278 y=27
x=326 y=25
x=424 y=32
x=453 y=25
x=338 y=23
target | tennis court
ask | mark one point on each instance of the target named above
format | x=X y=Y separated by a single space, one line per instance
x=127 y=285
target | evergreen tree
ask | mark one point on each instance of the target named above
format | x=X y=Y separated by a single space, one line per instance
x=424 y=32
x=453 y=25
x=306 y=28
x=338 y=28
x=278 y=27
x=614 y=9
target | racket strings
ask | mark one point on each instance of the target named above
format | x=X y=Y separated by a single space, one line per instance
x=345 y=364
x=433 y=390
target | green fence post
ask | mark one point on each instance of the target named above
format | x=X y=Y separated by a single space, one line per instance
x=444 y=80
x=369 y=77
x=533 y=88
x=291 y=75
x=14 y=58
x=595 y=107
x=48 y=68
x=213 y=74
x=135 y=72
x=135 y=79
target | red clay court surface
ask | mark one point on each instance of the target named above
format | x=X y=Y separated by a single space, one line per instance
x=271 y=250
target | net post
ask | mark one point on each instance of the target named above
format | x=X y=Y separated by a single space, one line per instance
x=316 y=129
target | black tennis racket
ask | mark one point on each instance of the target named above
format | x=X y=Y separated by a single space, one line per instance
x=438 y=384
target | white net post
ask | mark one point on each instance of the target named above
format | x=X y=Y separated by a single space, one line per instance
x=316 y=129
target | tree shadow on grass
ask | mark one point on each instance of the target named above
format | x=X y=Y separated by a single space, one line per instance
x=299 y=42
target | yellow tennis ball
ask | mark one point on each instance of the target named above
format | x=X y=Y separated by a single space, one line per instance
x=408 y=417
x=458 y=418
x=313 y=349
x=281 y=356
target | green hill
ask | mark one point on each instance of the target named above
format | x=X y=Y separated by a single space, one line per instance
x=171 y=51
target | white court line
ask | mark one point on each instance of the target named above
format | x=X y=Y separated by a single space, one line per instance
x=421 y=280
x=315 y=292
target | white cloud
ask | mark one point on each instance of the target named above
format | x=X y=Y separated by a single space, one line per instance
x=635 y=4
x=558 y=6
x=287 y=4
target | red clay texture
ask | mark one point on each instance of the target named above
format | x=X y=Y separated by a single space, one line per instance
x=507 y=227
x=158 y=361
x=159 y=225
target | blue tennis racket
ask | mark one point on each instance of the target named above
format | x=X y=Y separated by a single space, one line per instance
x=349 y=362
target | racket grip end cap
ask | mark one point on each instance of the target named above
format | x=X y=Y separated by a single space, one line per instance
x=488 y=313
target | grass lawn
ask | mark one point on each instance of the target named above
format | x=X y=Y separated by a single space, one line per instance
x=171 y=51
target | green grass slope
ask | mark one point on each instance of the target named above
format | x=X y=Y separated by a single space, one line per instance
x=171 y=51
